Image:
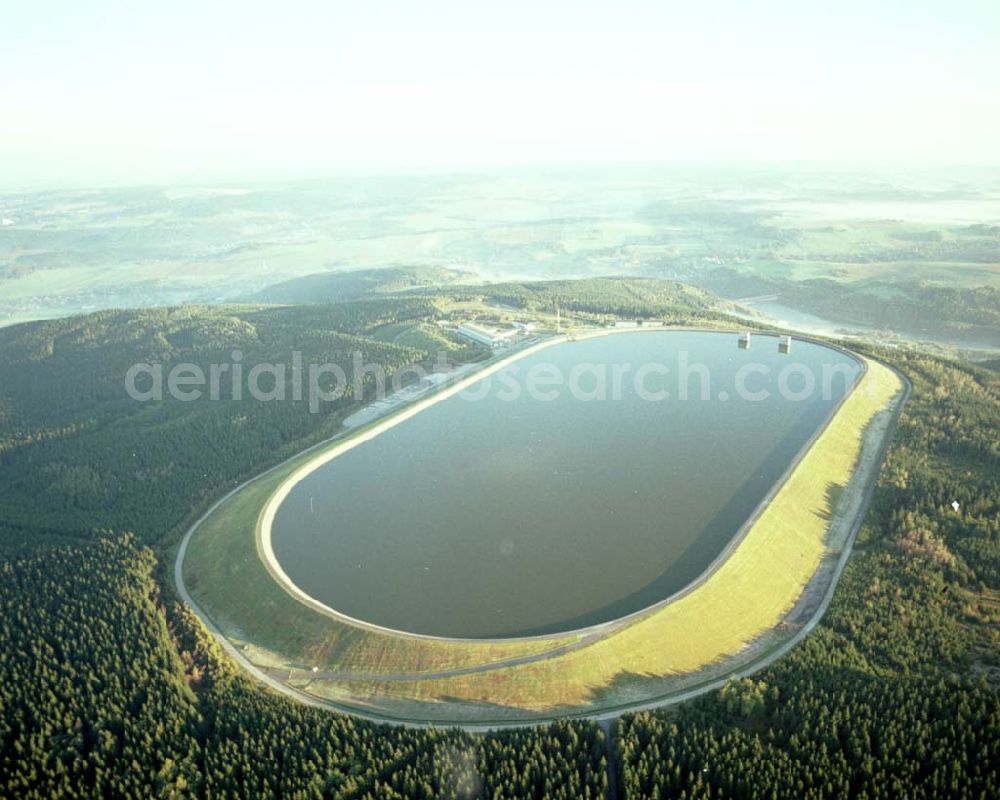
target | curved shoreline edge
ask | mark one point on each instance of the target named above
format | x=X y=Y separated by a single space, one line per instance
x=599 y=630
x=265 y=549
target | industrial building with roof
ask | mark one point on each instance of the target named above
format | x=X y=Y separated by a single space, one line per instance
x=488 y=336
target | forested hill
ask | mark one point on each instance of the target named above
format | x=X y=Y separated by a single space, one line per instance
x=328 y=287
x=110 y=688
x=637 y=297
x=77 y=453
x=601 y=297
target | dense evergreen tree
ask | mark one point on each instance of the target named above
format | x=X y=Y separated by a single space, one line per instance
x=101 y=699
x=604 y=297
x=77 y=453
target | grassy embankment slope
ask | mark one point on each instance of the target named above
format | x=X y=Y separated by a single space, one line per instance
x=749 y=594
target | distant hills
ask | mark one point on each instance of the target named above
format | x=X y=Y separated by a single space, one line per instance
x=324 y=287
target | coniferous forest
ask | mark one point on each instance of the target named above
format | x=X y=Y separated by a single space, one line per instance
x=109 y=687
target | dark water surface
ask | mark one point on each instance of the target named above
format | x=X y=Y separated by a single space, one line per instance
x=500 y=517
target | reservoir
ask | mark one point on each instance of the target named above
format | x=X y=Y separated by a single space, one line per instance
x=582 y=482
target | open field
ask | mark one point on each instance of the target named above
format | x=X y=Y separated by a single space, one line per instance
x=734 y=612
x=420 y=335
x=86 y=250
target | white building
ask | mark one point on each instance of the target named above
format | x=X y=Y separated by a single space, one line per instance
x=491 y=337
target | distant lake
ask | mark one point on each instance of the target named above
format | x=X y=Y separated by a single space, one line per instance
x=501 y=517
x=795 y=319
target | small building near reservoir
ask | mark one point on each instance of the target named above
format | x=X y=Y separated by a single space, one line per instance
x=492 y=337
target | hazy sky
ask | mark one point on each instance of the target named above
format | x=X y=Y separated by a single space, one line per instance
x=127 y=91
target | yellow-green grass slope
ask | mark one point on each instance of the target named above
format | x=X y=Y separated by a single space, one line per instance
x=748 y=595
